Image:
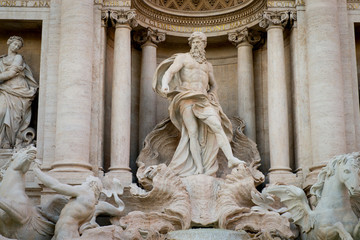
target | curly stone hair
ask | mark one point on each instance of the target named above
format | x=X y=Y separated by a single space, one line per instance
x=200 y=35
x=13 y=38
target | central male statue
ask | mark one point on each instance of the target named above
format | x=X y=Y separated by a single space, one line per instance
x=187 y=80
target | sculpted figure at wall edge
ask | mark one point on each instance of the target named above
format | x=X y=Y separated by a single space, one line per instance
x=337 y=192
x=81 y=206
x=188 y=81
x=17 y=90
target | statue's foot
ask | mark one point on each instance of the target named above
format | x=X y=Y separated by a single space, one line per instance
x=233 y=162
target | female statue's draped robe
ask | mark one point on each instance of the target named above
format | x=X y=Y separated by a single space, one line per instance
x=203 y=105
x=16 y=95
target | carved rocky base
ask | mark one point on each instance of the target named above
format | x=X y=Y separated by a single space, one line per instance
x=164 y=202
x=167 y=203
x=106 y=233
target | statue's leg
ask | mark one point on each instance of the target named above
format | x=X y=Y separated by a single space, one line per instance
x=356 y=233
x=11 y=211
x=191 y=125
x=221 y=138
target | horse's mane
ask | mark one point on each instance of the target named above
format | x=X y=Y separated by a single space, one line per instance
x=4 y=168
x=15 y=154
x=329 y=170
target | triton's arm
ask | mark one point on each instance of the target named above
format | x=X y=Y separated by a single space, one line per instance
x=54 y=184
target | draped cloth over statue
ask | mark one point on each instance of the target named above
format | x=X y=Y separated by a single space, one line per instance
x=16 y=95
x=203 y=105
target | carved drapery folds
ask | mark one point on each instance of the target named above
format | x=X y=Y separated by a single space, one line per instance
x=244 y=35
x=274 y=18
x=123 y=17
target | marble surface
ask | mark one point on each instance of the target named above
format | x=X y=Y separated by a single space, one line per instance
x=207 y=234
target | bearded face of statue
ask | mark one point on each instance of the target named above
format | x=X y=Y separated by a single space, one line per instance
x=197 y=50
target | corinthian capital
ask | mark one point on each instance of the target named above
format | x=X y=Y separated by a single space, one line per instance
x=105 y=16
x=122 y=17
x=149 y=35
x=274 y=18
x=244 y=35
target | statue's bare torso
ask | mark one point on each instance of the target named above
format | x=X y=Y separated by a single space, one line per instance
x=194 y=75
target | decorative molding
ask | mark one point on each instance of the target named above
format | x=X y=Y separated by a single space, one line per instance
x=122 y=17
x=182 y=23
x=244 y=35
x=353 y=4
x=113 y=3
x=25 y=3
x=149 y=35
x=282 y=3
x=299 y=3
x=197 y=5
x=274 y=18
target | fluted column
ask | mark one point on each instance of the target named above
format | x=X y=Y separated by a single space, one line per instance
x=147 y=114
x=74 y=86
x=277 y=95
x=325 y=80
x=121 y=95
x=244 y=41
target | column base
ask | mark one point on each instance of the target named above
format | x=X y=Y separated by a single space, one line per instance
x=283 y=176
x=71 y=167
x=125 y=176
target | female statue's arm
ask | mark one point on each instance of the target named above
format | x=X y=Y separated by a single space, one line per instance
x=14 y=69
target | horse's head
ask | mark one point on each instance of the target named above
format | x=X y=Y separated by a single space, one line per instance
x=22 y=159
x=348 y=171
